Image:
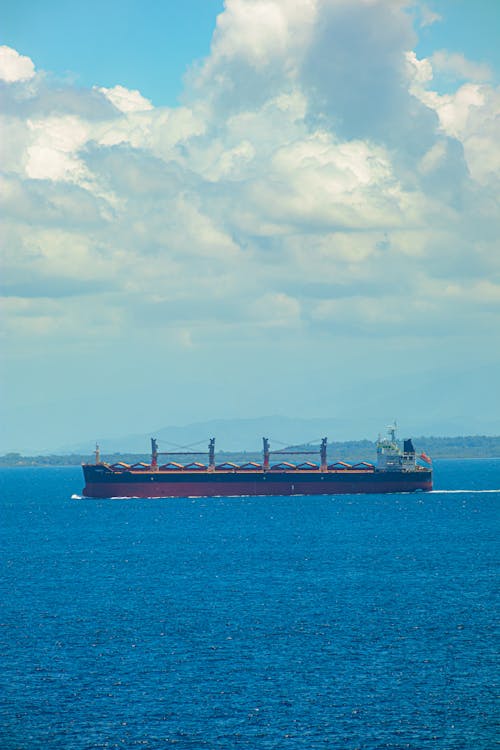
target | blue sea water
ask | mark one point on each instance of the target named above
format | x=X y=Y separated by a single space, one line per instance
x=349 y=622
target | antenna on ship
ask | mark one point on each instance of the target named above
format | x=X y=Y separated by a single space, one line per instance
x=391 y=429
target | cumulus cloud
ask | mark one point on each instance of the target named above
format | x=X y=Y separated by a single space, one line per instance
x=428 y=16
x=15 y=67
x=54 y=146
x=457 y=65
x=469 y=115
x=256 y=50
x=126 y=100
x=312 y=179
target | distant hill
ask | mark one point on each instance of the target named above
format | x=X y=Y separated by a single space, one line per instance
x=425 y=403
x=469 y=446
x=230 y=434
x=246 y=434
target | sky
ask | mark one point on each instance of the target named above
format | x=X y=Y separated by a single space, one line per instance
x=245 y=208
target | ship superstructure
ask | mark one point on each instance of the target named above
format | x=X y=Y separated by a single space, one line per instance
x=389 y=453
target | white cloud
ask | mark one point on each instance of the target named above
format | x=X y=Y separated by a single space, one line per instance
x=276 y=310
x=15 y=67
x=455 y=109
x=317 y=182
x=420 y=71
x=469 y=114
x=455 y=64
x=260 y=33
x=312 y=172
x=126 y=100
x=55 y=143
x=428 y=16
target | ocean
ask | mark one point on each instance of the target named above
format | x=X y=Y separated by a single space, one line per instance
x=350 y=622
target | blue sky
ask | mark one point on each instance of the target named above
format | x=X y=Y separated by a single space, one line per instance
x=146 y=45
x=297 y=214
x=469 y=27
x=149 y=45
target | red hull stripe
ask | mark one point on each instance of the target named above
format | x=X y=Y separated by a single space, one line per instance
x=244 y=487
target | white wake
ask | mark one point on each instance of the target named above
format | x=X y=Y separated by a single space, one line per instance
x=460 y=492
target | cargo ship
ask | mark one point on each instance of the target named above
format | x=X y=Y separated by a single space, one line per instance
x=397 y=470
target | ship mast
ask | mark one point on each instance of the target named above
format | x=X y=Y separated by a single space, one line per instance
x=392 y=429
x=211 y=454
x=265 y=462
x=324 y=462
x=154 y=454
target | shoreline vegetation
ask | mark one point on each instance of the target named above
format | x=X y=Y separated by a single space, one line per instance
x=471 y=446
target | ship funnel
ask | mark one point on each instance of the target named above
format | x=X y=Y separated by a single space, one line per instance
x=408 y=447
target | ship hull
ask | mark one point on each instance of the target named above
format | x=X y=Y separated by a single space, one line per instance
x=101 y=482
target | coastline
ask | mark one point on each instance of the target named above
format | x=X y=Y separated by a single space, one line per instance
x=457 y=448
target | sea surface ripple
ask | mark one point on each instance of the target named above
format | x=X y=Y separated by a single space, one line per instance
x=350 y=622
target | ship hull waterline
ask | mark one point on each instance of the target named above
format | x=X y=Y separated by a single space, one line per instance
x=107 y=484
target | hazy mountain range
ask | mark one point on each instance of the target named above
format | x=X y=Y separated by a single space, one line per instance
x=431 y=404
x=428 y=403
x=246 y=434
